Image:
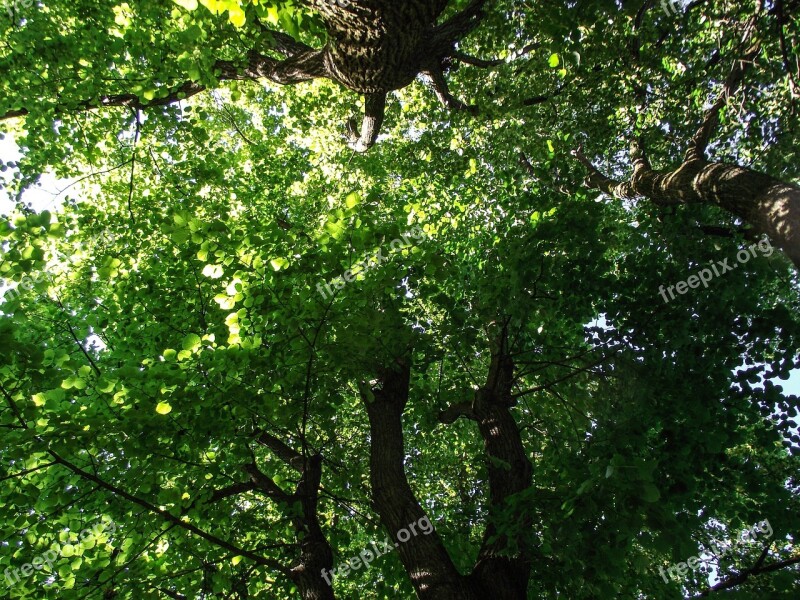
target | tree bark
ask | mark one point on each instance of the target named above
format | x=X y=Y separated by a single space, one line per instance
x=503 y=567
x=316 y=555
x=424 y=557
x=376 y=46
x=510 y=472
x=373 y=47
x=771 y=207
x=315 y=551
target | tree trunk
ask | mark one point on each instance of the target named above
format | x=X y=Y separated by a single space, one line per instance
x=509 y=473
x=503 y=567
x=316 y=555
x=424 y=557
x=771 y=207
x=376 y=46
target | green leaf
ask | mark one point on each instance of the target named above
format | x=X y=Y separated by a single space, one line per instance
x=191 y=342
x=353 y=199
x=650 y=493
x=279 y=263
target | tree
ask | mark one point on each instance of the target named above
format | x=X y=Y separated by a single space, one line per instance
x=373 y=47
x=250 y=362
x=770 y=206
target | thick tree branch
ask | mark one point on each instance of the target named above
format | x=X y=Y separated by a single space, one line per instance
x=729 y=232
x=435 y=77
x=526 y=164
x=770 y=206
x=503 y=564
x=454 y=411
x=316 y=555
x=304 y=66
x=374 y=109
x=461 y=24
x=298 y=68
x=597 y=180
x=432 y=572
x=265 y=484
x=232 y=490
x=283 y=43
x=287 y=454
x=474 y=61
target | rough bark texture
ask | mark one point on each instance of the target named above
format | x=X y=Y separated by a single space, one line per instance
x=771 y=207
x=424 y=557
x=376 y=46
x=503 y=567
x=373 y=47
x=315 y=551
x=510 y=472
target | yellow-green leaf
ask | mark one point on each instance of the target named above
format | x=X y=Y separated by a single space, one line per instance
x=278 y=263
x=191 y=342
x=237 y=17
x=213 y=271
x=353 y=198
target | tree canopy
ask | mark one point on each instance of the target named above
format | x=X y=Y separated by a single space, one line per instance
x=525 y=332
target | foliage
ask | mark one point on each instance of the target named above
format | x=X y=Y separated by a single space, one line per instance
x=184 y=316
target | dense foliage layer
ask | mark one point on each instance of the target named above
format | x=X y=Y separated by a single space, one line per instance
x=237 y=354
